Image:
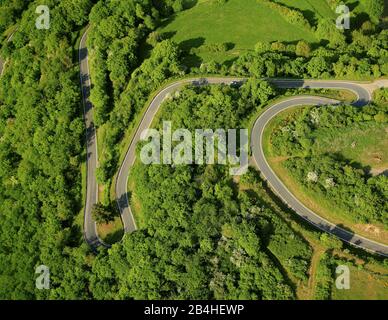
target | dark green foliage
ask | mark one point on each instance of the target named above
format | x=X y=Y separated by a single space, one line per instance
x=363 y=198
x=103 y=214
x=375 y=8
x=10 y=11
x=202 y=238
x=41 y=151
x=163 y=64
x=324 y=278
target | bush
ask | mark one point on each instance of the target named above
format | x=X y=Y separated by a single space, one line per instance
x=292 y=16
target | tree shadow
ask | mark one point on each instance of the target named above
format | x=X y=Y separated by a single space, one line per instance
x=357 y=21
x=353 y=5
x=189 y=44
x=229 y=63
x=123 y=201
x=310 y=16
x=190 y=58
x=114 y=237
x=188 y=4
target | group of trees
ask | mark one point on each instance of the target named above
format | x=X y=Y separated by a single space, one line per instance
x=375 y=8
x=362 y=197
x=292 y=16
x=41 y=151
x=121 y=87
x=104 y=213
x=10 y=12
x=202 y=237
x=358 y=53
x=365 y=57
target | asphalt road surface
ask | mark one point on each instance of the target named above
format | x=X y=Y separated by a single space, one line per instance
x=279 y=188
x=90 y=226
x=363 y=98
x=1 y=66
x=2 y=62
x=90 y=231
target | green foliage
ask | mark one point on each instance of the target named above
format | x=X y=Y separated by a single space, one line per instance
x=327 y=30
x=181 y=253
x=10 y=10
x=317 y=66
x=363 y=198
x=163 y=64
x=330 y=241
x=262 y=46
x=41 y=150
x=292 y=16
x=334 y=3
x=103 y=214
x=375 y=8
x=303 y=49
x=324 y=278
x=201 y=238
x=381 y=96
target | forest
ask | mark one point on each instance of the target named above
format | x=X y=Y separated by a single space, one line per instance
x=204 y=236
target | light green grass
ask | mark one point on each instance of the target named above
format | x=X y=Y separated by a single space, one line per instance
x=364 y=285
x=241 y=22
x=365 y=144
x=112 y=232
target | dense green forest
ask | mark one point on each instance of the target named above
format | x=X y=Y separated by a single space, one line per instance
x=204 y=236
x=41 y=150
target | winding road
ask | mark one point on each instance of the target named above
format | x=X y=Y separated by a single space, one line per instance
x=90 y=226
x=363 y=92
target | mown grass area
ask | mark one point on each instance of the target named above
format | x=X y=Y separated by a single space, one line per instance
x=319 y=205
x=366 y=145
x=364 y=285
x=240 y=23
x=111 y=232
x=135 y=204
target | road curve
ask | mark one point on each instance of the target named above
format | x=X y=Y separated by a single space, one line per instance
x=363 y=98
x=129 y=160
x=279 y=188
x=90 y=231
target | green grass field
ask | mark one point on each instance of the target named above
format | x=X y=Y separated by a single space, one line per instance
x=363 y=144
x=364 y=285
x=239 y=22
x=112 y=232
